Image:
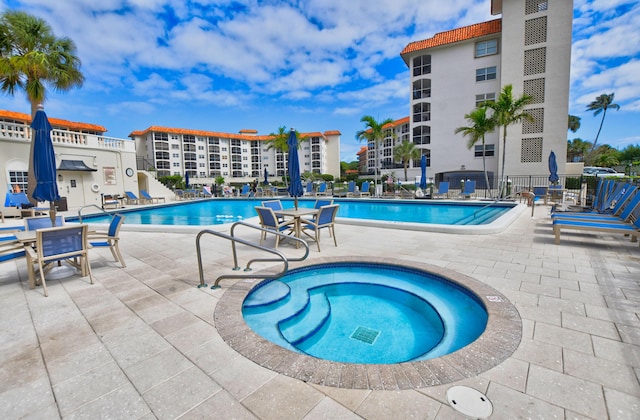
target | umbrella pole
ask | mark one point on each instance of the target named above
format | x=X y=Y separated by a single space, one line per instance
x=52 y=213
x=295 y=202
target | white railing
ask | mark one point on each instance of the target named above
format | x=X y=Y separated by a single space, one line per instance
x=22 y=132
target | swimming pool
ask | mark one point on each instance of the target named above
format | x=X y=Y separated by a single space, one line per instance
x=365 y=313
x=498 y=341
x=409 y=214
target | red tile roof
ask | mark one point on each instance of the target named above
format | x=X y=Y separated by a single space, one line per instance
x=455 y=35
x=55 y=122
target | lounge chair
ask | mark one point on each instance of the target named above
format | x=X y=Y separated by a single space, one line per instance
x=22 y=203
x=322 y=189
x=151 y=199
x=131 y=198
x=246 y=191
x=631 y=229
x=268 y=220
x=42 y=222
x=624 y=216
x=7 y=234
x=618 y=207
x=351 y=189
x=109 y=200
x=469 y=189
x=309 y=189
x=325 y=219
x=364 y=190
x=443 y=190
x=10 y=251
x=110 y=238
x=68 y=243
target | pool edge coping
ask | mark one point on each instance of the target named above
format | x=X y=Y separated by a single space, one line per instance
x=497 y=343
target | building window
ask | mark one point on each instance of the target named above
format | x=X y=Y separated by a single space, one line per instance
x=483 y=97
x=535 y=61
x=487 y=73
x=422 y=65
x=175 y=147
x=422 y=135
x=484 y=48
x=489 y=150
x=422 y=112
x=18 y=179
x=422 y=89
x=175 y=155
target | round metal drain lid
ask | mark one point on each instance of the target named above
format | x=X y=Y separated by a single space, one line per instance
x=469 y=402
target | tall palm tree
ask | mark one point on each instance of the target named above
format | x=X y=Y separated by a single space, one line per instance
x=507 y=111
x=279 y=142
x=405 y=152
x=601 y=104
x=373 y=132
x=574 y=123
x=33 y=59
x=479 y=125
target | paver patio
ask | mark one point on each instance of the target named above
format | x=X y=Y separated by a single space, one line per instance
x=141 y=342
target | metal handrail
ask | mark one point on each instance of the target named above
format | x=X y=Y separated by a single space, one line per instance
x=87 y=206
x=235 y=240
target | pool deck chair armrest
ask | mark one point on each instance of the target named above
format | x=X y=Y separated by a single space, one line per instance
x=632 y=230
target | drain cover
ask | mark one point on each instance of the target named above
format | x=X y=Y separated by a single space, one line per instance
x=469 y=402
x=366 y=335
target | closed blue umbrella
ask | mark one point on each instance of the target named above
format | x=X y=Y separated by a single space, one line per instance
x=44 y=163
x=553 y=168
x=423 y=168
x=295 y=183
x=266 y=177
x=186 y=179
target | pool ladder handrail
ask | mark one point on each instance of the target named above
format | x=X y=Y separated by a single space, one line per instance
x=231 y=237
x=87 y=206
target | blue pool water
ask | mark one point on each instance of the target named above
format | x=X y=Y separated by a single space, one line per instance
x=365 y=313
x=219 y=211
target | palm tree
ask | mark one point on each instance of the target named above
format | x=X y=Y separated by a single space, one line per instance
x=601 y=104
x=479 y=125
x=405 y=152
x=507 y=111
x=373 y=132
x=279 y=142
x=574 y=123
x=577 y=148
x=32 y=58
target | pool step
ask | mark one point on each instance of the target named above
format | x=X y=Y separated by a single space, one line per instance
x=478 y=218
x=271 y=293
x=308 y=321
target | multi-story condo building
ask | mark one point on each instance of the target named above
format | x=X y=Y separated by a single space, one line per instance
x=242 y=157
x=451 y=73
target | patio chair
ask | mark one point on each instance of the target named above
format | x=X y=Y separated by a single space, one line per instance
x=630 y=229
x=364 y=190
x=109 y=200
x=245 y=191
x=443 y=190
x=10 y=251
x=309 y=189
x=268 y=220
x=110 y=238
x=149 y=198
x=66 y=243
x=351 y=189
x=540 y=193
x=42 y=222
x=325 y=219
x=317 y=205
x=469 y=189
x=274 y=205
x=322 y=189
x=7 y=234
x=131 y=198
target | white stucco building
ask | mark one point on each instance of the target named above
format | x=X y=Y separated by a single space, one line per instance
x=451 y=73
x=238 y=158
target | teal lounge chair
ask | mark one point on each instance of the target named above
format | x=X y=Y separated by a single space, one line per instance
x=620 y=211
x=351 y=188
x=631 y=229
x=149 y=198
x=443 y=190
x=364 y=190
x=131 y=198
x=469 y=189
x=322 y=189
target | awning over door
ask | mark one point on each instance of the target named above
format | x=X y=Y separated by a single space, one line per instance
x=75 y=165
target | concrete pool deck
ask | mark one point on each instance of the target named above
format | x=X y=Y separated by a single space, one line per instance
x=141 y=342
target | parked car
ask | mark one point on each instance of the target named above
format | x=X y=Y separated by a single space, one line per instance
x=601 y=172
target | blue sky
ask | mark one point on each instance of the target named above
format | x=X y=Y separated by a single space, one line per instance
x=314 y=65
